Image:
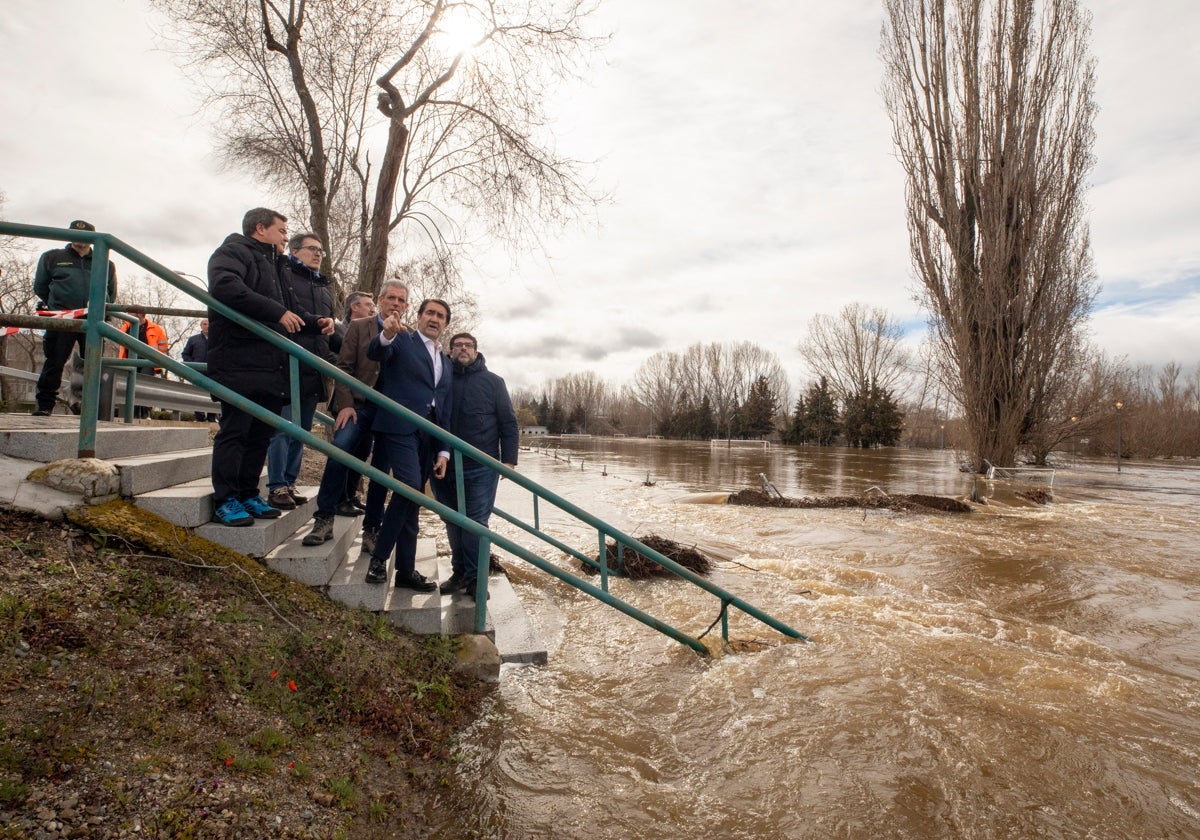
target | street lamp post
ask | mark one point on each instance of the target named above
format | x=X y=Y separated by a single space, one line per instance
x=1074 y=420
x=942 y=436
x=1120 y=405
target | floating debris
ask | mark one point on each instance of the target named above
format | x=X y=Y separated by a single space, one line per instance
x=1037 y=495
x=915 y=502
x=639 y=567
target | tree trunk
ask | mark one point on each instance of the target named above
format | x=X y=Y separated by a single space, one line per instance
x=375 y=261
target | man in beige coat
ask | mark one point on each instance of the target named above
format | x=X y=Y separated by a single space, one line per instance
x=353 y=419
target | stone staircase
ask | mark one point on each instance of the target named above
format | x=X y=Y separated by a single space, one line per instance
x=165 y=470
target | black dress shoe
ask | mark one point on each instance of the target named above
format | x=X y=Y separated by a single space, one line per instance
x=377 y=571
x=415 y=581
x=456 y=583
x=469 y=591
x=345 y=508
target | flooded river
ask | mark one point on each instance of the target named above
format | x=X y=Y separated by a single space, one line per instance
x=1020 y=671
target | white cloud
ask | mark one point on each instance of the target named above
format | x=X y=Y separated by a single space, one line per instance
x=744 y=146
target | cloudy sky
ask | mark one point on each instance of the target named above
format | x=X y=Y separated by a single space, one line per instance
x=744 y=145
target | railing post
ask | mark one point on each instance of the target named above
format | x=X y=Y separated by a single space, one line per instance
x=294 y=391
x=482 y=568
x=603 y=558
x=89 y=402
x=460 y=490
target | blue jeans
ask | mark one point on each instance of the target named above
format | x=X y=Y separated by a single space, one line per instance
x=284 y=452
x=479 y=491
x=350 y=438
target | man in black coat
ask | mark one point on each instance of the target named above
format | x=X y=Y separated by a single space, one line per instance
x=481 y=413
x=244 y=274
x=310 y=292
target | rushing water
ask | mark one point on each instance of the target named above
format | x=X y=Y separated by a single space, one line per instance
x=1020 y=671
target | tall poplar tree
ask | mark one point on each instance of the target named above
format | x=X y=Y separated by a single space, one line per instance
x=992 y=110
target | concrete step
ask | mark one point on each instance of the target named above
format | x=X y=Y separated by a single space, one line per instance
x=516 y=639
x=145 y=473
x=348 y=584
x=506 y=623
x=420 y=612
x=48 y=439
x=258 y=539
x=188 y=505
x=315 y=565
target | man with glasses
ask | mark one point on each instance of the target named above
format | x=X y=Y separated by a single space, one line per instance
x=481 y=414
x=353 y=416
x=310 y=291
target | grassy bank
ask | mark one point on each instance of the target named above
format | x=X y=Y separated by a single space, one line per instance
x=153 y=685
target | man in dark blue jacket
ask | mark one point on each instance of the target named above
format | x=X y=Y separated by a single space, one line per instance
x=415 y=373
x=62 y=281
x=481 y=414
x=196 y=350
x=243 y=274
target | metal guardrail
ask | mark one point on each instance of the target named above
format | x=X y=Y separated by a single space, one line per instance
x=97 y=328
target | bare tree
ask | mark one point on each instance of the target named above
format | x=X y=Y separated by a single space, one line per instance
x=581 y=395
x=855 y=348
x=659 y=387
x=18 y=350
x=434 y=277
x=1074 y=400
x=303 y=87
x=992 y=111
x=148 y=291
x=722 y=383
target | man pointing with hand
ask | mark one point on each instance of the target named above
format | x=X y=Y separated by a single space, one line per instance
x=415 y=373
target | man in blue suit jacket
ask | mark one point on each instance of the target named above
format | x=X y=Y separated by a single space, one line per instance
x=415 y=373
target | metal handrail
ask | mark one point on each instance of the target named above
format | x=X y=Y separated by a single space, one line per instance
x=97 y=328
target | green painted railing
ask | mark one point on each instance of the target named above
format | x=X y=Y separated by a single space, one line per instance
x=97 y=328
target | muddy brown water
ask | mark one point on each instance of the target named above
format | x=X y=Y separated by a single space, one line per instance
x=1020 y=671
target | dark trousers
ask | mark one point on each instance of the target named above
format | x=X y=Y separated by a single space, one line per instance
x=479 y=494
x=411 y=459
x=355 y=438
x=56 y=346
x=239 y=452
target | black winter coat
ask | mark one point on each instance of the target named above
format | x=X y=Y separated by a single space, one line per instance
x=310 y=291
x=481 y=411
x=244 y=274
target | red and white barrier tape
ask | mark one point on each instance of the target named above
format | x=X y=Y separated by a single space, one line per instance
x=48 y=313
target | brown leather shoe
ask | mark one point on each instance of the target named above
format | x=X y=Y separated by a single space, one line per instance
x=281 y=499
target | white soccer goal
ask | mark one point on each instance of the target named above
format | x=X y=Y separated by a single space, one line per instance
x=739 y=444
x=1028 y=475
